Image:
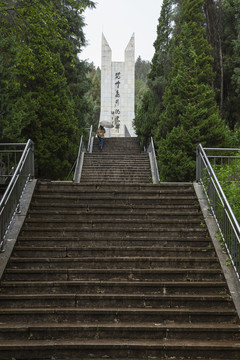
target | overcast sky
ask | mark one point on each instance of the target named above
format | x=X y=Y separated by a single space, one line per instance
x=118 y=20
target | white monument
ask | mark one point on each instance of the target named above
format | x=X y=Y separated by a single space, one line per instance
x=117 y=90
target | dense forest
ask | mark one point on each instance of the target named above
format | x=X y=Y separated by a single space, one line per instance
x=189 y=93
x=43 y=84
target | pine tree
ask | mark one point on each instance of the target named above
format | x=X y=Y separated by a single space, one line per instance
x=160 y=62
x=146 y=119
x=93 y=97
x=190 y=115
x=230 y=17
x=151 y=107
x=236 y=50
x=142 y=68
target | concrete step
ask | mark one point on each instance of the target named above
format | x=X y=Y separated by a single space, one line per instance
x=133 y=214
x=118 y=206
x=90 y=159
x=118 y=166
x=124 y=177
x=117 y=315
x=55 y=186
x=133 y=251
x=116 y=180
x=121 y=155
x=114 y=274
x=178 y=232
x=116 y=287
x=215 y=302
x=154 y=196
x=125 y=331
x=139 y=349
x=109 y=223
x=115 y=200
x=81 y=241
x=118 y=169
x=111 y=263
x=116 y=163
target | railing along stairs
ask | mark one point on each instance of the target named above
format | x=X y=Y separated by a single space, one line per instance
x=153 y=162
x=16 y=169
x=77 y=166
x=226 y=221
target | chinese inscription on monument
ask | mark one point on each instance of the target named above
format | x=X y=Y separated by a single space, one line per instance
x=116 y=112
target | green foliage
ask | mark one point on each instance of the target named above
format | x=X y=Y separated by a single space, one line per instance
x=43 y=82
x=236 y=49
x=230 y=20
x=161 y=63
x=9 y=87
x=149 y=109
x=142 y=68
x=93 y=97
x=190 y=113
x=146 y=118
x=228 y=176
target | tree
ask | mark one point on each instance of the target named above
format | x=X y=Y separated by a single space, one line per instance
x=151 y=105
x=93 y=96
x=212 y=15
x=145 y=120
x=236 y=50
x=190 y=115
x=230 y=15
x=9 y=88
x=142 y=68
x=161 y=65
x=76 y=70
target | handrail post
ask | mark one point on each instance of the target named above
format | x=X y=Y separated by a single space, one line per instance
x=198 y=149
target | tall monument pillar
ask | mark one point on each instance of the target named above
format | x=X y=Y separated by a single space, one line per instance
x=117 y=90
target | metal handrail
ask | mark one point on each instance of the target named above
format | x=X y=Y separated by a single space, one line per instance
x=78 y=162
x=226 y=221
x=10 y=154
x=9 y=203
x=76 y=177
x=153 y=162
x=90 y=140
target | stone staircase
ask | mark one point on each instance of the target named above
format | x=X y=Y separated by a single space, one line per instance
x=116 y=271
x=120 y=160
